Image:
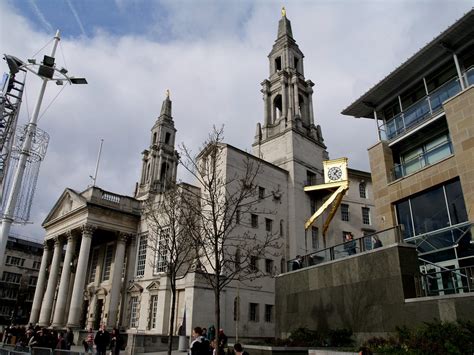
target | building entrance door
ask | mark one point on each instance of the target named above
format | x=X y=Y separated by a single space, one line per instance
x=444 y=278
x=98 y=313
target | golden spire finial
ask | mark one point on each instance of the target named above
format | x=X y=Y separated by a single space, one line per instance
x=167 y=93
x=283 y=12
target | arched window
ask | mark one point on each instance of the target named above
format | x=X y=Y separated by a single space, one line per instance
x=363 y=189
x=154 y=138
x=167 y=138
x=164 y=171
x=148 y=169
x=277 y=108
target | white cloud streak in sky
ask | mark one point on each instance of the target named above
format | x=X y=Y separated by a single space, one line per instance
x=76 y=16
x=40 y=15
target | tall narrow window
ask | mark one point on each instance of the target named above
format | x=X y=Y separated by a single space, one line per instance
x=107 y=262
x=254 y=220
x=154 y=138
x=314 y=238
x=167 y=138
x=268 y=313
x=281 y=228
x=141 y=257
x=268 y=225
x=345 y=212
x=269 y=266
x=278 y=63
x=261 y=193
x=94 y=262
x=253 y=264
x=365 y=215
x=133 y=312
x=312 y=203
x=153 y=310
x=253 y=312
x=161 y=252
x=363 y=189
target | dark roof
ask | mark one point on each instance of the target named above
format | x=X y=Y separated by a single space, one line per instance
x=454 y=38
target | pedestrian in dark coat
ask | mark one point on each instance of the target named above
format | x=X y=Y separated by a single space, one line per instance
x=116 y=342
x=102 y=340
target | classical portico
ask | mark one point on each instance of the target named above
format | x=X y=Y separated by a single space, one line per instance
x=88 y=244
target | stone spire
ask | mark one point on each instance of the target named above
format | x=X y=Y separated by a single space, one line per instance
x=284 y=26
x=160 y=160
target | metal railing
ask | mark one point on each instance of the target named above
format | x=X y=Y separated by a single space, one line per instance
x=435 y=280
x=356 y=246
x=421 y=160
x=469 y=75
x=423 y=108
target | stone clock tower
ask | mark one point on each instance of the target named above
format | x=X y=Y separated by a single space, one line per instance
x=288 y=136
x=160 y=160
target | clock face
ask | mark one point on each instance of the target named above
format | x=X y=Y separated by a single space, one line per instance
x=334 y=173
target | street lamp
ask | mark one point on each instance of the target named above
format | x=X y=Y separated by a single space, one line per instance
x=47 y=71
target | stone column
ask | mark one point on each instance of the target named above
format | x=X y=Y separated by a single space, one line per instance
x=60 y=310
x=80 y=279
x=116 y=281
x=291 y=111
x=40 y=285
x=295 y=93
x=310 y=106
x=47 y=307
x=266 y=101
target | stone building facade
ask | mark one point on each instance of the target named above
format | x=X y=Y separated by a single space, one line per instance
x=422 y=166
x=110 y=274
x=19 y=275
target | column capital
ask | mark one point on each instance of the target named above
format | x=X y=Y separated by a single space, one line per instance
x=57 y=242
x=123 y=237
x=88 y=229
x=46 y=245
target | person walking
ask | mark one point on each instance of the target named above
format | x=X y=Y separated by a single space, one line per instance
x=102 y=340
x=116 y=342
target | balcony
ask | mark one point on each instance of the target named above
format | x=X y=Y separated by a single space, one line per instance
x=424 y=109
x=428 y=157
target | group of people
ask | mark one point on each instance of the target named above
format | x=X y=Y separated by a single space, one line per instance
x=37 y=337
x=104 y=341
x=205 y=343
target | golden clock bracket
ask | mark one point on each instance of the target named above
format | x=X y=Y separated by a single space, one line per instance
x=335 y=199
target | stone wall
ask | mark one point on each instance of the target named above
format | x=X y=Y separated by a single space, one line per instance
x=366 y=293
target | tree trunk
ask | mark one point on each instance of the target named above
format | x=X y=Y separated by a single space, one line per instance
x=173 y=306
x=217 y=301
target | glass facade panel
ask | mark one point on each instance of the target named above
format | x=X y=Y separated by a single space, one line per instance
x=457 y=208
x=428 y=211
x=404 y=217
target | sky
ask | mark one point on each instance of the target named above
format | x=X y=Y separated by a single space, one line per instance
x=212 y=56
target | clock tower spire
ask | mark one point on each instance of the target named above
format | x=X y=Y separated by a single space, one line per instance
x=160 y=160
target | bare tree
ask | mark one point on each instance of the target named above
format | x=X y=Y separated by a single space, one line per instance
x=169 y=238
x=227 y=248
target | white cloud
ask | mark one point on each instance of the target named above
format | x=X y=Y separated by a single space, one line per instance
x=213 y=61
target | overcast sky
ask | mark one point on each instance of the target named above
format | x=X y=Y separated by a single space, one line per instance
x=212 y=56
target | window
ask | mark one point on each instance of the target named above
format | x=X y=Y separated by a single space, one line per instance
x=254 y=220
x=133 y=312
x=310 y=178
x=109 y=254
x=33 y=280
x=253 y=312
x=237 y=308
x=277 y=63
x=153 y=311
x=36 y=265
x=11 y=277
x=314 y=238
x=94 y=262
x=281 y=228
x=261 y=193
x=269 y=266
x=10 y=293
x=154 y=138
x=161 y=252
x=141 y=257
x=237 y=216
x=13 y=260
x=167 y=138
x=312 y=203
x=362 y=189
x=268 y=224
x=365 y=215
x=345 y=212
x=295 y=63
x=268 y=313
x=253 y=263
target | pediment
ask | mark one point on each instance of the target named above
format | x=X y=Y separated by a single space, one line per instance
x=67 y=202
x=153 y=286
x=135 y=288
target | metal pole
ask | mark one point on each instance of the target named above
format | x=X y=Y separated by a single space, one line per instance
x=98 y=160
x=458 y=69
x=7 y=218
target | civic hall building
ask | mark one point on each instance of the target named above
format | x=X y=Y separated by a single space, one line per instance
x=107 y=274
